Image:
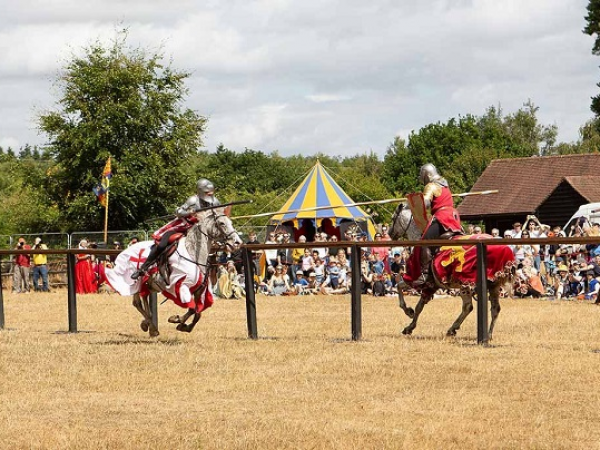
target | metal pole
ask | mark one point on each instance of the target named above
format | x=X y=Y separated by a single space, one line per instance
x=1 y=299
x=72 y=295
x=153 y=300
x=250 y=298
x=482 y=297
x=355 y=292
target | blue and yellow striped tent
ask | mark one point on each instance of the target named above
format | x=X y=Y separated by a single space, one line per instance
x=319 y=190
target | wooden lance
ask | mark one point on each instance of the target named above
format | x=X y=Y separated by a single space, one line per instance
x=348 y=205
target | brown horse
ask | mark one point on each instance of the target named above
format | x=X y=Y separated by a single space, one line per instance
x=187 y=283
x=453 y=267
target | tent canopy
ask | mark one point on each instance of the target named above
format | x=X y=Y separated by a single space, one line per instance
x=319 y=190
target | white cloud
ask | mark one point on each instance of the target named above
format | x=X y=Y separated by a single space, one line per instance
x=334 y=76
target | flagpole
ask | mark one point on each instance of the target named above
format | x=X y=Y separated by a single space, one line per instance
x=106 y=219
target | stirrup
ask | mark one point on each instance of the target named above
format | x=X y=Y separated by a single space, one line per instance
x=423 y=280
x=138 y=273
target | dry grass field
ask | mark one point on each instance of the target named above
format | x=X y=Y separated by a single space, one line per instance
x=304 y=384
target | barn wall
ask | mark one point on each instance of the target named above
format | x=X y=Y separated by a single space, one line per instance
x=560 y=205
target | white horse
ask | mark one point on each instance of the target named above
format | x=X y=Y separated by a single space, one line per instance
x=453 y=268
x=187 y=284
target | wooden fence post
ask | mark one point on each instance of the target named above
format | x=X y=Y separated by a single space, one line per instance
x=250 y=297
x=1 y=299
x=355 y=292
x=71 y=293
x=482 y=297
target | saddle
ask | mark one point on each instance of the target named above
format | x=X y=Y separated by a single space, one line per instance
x=162 y=262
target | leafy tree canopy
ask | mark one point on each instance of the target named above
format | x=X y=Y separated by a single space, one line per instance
x=126 y=104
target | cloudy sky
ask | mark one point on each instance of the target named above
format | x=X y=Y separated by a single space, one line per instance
x=331 y=76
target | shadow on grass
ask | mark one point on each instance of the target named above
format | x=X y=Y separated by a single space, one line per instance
x=130 y=339
x=260 y=338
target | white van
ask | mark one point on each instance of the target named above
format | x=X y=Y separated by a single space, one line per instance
x=591 y=211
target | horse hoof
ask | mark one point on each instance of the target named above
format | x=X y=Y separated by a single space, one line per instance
x=174 y=319
x=184 y=328
x=451 y=333
x=154 y=333
x=144 y=325
x=407 y=331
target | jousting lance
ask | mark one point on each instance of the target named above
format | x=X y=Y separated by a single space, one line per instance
x=349 y=205
x=197 y=210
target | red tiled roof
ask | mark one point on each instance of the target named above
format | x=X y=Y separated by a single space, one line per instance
x=524 y=183
x=588 y=186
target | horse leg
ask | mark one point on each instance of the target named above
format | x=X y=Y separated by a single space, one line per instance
x=423 y=300
x=407 y=309
x=153 y=328
x=467 y=307
x=495 y=307
x=187 y=328
x=137 y=303
x=181 y=319
x=142 y=305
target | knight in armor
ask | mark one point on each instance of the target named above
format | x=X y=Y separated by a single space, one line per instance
x=185 y=219
x=445 y=220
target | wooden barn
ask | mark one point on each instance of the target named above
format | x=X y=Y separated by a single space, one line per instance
x=550 y=187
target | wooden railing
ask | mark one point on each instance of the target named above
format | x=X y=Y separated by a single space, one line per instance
x=355 y=290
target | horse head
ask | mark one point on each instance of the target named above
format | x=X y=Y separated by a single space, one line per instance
x=403 y=224
x=214 y=225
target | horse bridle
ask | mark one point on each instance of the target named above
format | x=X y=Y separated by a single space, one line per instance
x=207 y=265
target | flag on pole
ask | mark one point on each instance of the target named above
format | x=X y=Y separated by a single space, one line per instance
x=101 y=189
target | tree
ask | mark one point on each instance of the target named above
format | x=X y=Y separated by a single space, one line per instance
x=123 y=103
x=462 y=148
x=593 y=28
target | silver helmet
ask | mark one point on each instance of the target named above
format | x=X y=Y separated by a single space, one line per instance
x=428 y=173
x=206 y=190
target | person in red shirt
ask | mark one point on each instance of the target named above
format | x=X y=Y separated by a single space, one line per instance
x=445 y=219
x=21 y=269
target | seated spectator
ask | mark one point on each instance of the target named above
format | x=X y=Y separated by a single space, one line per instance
x=300 y=283
x=568 y=282
x=388 y=283
x=377 y=265
x=279 y=283
x=328 y=288
x=312 y=287
x=229 y=285
x=592 y=288
x=333 y=273
x=263 y=285
x=528 y=282
x=297 y=254
x=366 y=276
x=319 y=271
x=378 y=285
x=307 y=264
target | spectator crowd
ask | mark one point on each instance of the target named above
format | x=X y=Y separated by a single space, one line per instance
x=543 y=270
x=567 y=271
